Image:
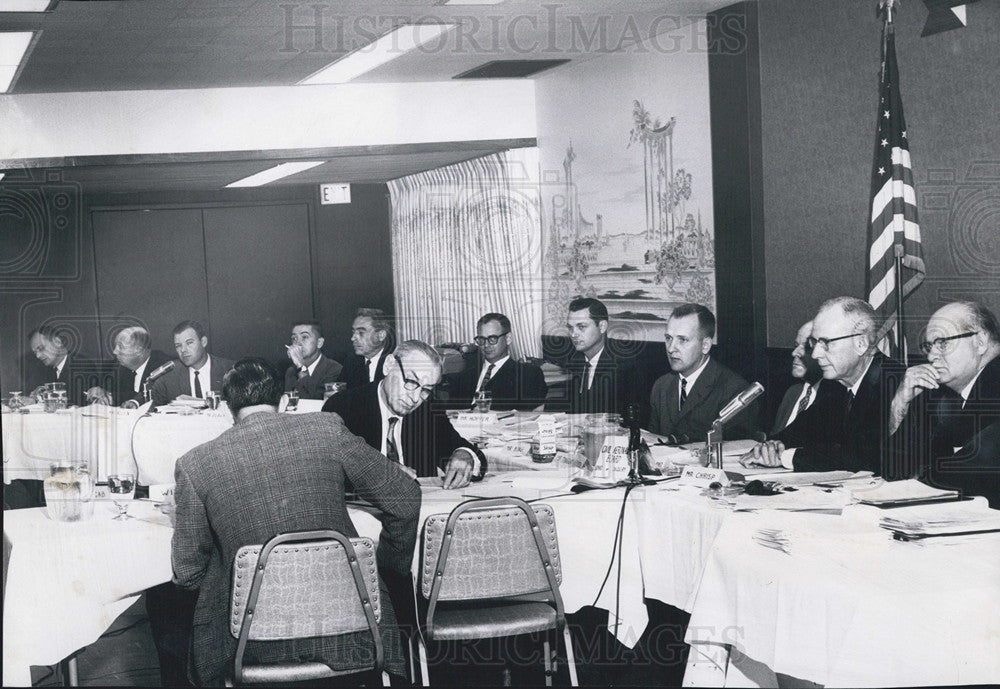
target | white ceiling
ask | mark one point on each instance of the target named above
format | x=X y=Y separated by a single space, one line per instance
x=114 y=45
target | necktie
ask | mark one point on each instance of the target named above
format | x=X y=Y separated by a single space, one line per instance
x=486 y=378
x=804 y=402
x=303 y=372
x=197 y=385
x=850 y=403
x=390 y=441
x=684 y=393
x=368 y=367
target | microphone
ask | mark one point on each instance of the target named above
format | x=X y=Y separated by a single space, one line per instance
x=740 y=402
x=166 y=368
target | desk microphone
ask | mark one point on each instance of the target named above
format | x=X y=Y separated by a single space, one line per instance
x=166 y=368
x=740 y=402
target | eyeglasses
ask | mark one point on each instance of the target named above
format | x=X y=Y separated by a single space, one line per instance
x=941 y=343
x=492 y=339
x=412 y=384
x=811 y=342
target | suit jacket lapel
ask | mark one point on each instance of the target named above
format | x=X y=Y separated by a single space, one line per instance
x=698 y=391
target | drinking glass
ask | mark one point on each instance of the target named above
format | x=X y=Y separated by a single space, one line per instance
x=122 y=490
x=483 y=401
x=293 y=401
x=16 y=402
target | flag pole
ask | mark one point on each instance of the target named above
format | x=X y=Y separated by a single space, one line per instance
x=904 y=352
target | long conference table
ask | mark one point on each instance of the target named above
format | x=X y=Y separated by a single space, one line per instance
x=845 y=605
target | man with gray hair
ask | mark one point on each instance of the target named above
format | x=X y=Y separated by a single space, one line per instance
x=847 y=427
x=946 y=413
x=391 y=416
x=136 y=360
x=371 y=338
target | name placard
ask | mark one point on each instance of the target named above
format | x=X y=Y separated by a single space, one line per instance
x=162 y=492
x=612 y=463
x=546 y=436
x=703 y=477
x=471 y=418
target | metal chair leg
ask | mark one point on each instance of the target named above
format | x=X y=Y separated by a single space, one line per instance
x=570 y=661
x=547 y=652
x=424 y=674
x=412 y=657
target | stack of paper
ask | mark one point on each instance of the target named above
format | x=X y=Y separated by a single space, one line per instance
x=942 y=519
x=901 y=493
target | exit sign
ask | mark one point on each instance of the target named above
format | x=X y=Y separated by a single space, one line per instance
x=334 y=193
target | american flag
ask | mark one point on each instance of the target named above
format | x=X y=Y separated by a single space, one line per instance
x=893 y=230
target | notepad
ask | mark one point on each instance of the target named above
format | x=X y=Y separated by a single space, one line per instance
x=902 y=492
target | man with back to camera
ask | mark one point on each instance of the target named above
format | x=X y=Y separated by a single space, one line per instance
x=371 y=338
x=686 y=401
x=511 y=383
x=848 y=426
x=200 y=373
x=311 y=370
x=800 y=396
x=946 y=413
x=241 y=489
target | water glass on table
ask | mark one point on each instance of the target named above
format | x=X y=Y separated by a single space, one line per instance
x=121 y=487
x=293 y=400
x=483 y=401
x=331 y=389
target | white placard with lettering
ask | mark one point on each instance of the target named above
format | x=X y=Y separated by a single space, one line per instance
x=546 y=436
x=703 y=477
x=612 y=463
x=471 y=418
x=334 y=193
x=161 y=492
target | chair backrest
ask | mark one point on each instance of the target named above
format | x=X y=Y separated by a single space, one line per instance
x=305 y=589
x=491 y=550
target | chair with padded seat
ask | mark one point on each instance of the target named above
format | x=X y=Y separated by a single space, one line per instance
x=300 y=585
x=491 y=569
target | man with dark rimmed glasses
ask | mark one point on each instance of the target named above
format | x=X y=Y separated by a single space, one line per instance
x=946 y=413
x=847 y=427
x=392 y=417
x=512 y=384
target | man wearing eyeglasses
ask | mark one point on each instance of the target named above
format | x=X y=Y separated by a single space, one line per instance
x=511 y=383
x=392 y=417
x=946 y=413
x=686 y=401
x=848 y=425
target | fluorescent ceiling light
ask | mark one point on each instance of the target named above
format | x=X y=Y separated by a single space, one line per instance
x=24 y=5
x=13 y=46
x=2 y=174
x=390 y=46
x=472 y=2
x=276 y=172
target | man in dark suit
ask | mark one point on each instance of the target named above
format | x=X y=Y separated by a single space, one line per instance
x=136 y=360
x=371 y=337
x=597 y=379
x=391 y=417
x=686 y=401
x=241 y=489
x=801 y=395
x=848 y=426
x=83 y=378
x=200 y=373
x=946 y=413
x=311 y=370
x=511 y=383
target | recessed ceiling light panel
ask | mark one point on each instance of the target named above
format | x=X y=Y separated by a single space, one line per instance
x=25 y=5
x=380 y=51
x=13 y=48
x=274 y=173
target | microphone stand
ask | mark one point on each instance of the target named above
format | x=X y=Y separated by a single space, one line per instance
x=713 y=445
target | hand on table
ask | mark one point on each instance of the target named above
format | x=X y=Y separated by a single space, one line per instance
x=97 y=395
x=458 y=473
x=766 y=454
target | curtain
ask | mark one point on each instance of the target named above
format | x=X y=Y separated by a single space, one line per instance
x=466 y=240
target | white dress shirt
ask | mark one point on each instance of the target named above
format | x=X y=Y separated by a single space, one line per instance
x=496 y=367
x=690 y=380
x=592 y=367
x=311 y=367
x=137 y=383
x=60 y=366
x=204 y=377
x=373 y=365
x=809 y=390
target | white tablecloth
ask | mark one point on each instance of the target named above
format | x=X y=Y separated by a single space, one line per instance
x=67 y=582
x=849 y=606
x=105 y=437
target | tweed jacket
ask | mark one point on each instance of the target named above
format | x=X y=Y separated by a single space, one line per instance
x=312 y=386
x=177 y=382
x=270 y=474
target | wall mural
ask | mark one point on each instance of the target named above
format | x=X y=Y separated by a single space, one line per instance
x=640 y=271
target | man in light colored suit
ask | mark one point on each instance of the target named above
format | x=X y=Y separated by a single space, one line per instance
x=686 y=401
x=241 y=489
x=801 y=395
x=311 y=370
x=200 y=373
